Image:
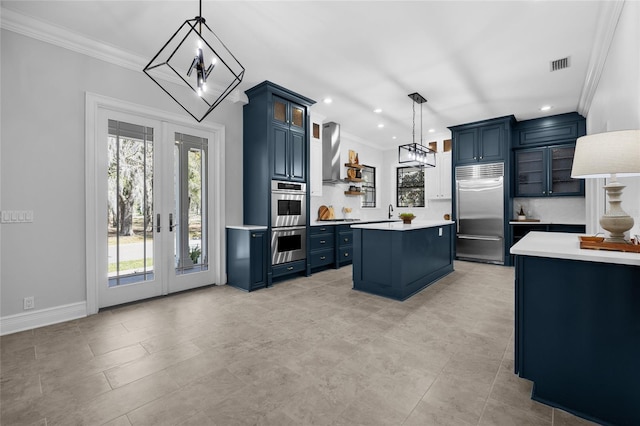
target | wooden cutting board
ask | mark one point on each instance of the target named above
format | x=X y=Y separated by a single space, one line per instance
x=323 y=213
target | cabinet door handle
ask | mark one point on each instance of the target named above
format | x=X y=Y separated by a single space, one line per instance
x=323 y=257
x=322 y=241
x=481 y=158
x=346 y=240
x=290 y=268
x=346 y=255
x=253 y=235
x=323 y=229
x=158 y=222
x=550 y=192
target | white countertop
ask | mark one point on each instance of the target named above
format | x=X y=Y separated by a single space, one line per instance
x=519 y=222
x=348 y=222
x=563 y=245
x=248 y=227
x=399 y=226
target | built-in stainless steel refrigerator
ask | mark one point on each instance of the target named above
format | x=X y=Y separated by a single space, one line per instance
x=480 y=212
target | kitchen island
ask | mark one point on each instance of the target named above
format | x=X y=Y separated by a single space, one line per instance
x=577 y=326
x=397 y=260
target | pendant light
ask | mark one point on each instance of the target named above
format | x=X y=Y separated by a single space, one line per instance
x=204 y=69
x=415 y=154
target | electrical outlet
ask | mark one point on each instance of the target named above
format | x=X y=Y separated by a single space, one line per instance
x=29 y=303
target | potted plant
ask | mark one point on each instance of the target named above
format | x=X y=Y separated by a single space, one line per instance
x=194 y=254
x=407 y=217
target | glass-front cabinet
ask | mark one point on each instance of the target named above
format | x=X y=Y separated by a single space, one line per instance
x=546 y=171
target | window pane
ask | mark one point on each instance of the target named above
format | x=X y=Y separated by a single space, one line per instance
x=368 y=186
x=410 y=187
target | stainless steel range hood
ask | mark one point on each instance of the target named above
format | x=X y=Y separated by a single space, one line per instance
x=330 y=152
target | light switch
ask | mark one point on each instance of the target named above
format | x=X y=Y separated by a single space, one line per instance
x=439 y=232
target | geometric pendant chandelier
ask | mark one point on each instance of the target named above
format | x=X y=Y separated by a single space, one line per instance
x=195 y=68
x=415 y=154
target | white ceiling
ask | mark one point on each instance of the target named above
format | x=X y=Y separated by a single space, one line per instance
x=472 y=60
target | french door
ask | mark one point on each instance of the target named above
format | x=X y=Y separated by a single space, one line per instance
x=154 y=205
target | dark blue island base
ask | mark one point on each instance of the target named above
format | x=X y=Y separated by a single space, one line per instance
x=397 y=262
x=577 y=327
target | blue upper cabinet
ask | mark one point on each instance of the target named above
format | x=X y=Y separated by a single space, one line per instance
x=275 y=145
x=289 y=140
x=543 y=151
x=482 y=142
x=552 y=130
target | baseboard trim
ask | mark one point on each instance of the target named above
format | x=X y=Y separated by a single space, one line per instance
x=29 y=320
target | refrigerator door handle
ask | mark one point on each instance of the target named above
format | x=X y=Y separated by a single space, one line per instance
x=479 y=237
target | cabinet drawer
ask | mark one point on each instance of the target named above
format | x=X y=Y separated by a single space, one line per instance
x=288 y=268
x=322 y=257
x=314 y=230
x=345 y=238
x=322 y=241
x=345 y=254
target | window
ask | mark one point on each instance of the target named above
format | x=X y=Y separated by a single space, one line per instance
x=410 y=187
x=368 y=186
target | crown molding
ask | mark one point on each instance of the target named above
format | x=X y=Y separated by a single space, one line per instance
x=611 y=11
x=62 y=37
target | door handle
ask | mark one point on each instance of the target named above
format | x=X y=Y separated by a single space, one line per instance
x=171 y=225
x=158 y=222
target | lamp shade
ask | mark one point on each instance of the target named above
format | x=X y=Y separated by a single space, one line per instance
x=603 y=154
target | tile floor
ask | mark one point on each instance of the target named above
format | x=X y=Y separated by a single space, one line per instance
x=308 y=351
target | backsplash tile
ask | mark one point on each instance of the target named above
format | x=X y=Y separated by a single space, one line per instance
x=570 y=210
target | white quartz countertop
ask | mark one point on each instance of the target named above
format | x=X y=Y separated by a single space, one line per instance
x=399 y=226
x=248 y=227
x=561 y=245
x=348 y=222
x=543 y=222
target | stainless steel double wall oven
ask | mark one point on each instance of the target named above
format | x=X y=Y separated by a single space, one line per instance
x=288 y=221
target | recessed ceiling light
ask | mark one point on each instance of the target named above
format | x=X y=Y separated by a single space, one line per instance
x=327 y=100
x=380 y=126
x=432 y=130
x=377 y=110
x=393 y=137
x=545 y=108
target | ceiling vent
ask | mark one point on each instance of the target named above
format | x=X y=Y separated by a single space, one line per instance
x=560 y=64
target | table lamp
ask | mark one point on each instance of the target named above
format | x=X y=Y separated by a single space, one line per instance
x=610 y=155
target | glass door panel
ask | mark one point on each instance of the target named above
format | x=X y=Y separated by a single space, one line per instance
x=191 y=245
x=297 y=116
x=130 y=203
x=530 y=172
x=561 y=164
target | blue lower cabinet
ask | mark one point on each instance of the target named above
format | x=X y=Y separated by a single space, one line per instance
x=345 y=245
x=577 y=336
x=288 y=268
x=246 y=258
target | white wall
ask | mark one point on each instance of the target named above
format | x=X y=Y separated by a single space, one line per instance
x=616 y=106
x=333 y=194
x=42 y=163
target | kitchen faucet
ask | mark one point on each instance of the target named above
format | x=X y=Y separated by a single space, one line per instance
x=390 y=210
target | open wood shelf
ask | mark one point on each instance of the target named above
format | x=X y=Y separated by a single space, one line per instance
x=353 y=192
x=354 y=166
